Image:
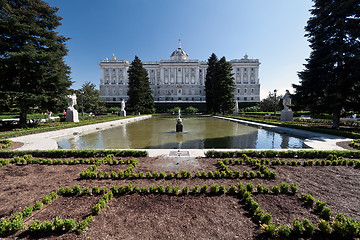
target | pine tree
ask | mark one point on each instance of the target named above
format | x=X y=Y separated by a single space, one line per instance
x=331 y=79
x=224 y=87
x=32 y=69
x=139 y=92
x=210 y=82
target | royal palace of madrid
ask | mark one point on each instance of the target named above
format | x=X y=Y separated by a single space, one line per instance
x=179 y=79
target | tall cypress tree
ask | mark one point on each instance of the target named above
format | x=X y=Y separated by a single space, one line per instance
x=210 y=82
x=139 y=92
x=331 y=79
x=224 y=87
x=32 y=69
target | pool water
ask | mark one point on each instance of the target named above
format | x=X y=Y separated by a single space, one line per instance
x=199 y=133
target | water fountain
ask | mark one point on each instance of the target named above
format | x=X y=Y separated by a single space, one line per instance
x=179 y=125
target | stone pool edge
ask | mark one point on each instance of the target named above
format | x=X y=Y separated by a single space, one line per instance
x=48 y=140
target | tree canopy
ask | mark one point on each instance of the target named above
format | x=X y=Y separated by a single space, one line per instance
x=89 y=99
x=331 y=78
x=210 y=82
x=219 y=86
x=139 y=92
x=32 y=69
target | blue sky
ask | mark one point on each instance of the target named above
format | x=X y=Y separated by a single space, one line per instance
x=271 y=31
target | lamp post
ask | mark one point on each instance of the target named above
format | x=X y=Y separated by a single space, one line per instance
x=275 y=102
x=82 y=102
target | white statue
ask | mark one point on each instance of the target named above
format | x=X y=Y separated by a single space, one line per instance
x=122 y=110
x=71 y=113
x=72 y=101
x=122 y=105
x=287 y=100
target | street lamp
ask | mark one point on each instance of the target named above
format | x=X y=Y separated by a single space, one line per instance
x=275 y=102
x=82 y=102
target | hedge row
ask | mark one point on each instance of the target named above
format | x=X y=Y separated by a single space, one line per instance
x=74 y=153
x=5 y=143
x=284 y=154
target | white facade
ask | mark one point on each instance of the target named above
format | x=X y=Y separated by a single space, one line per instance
x=178 y=79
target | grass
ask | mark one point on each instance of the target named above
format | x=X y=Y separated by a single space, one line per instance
x=312 y=126
x=52 y=126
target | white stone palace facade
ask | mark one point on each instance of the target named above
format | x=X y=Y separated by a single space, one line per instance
x=179 y=79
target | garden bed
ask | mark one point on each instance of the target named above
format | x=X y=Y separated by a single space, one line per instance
x=146 y=210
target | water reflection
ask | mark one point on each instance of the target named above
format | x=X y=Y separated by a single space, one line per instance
x=199 y=132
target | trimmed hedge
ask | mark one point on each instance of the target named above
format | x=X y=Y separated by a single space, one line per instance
x=284 y=154
x=74 y=153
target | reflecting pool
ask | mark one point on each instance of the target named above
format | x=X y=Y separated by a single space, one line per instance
x=199 y=132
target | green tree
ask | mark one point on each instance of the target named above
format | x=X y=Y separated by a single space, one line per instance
x=331 y=78
x=89 y=99
x=210 y=82
x=139 y=92
x=32 y=69
x=224 y=87
x=268 y=103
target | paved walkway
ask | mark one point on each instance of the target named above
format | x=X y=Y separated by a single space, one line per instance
x=46 y=141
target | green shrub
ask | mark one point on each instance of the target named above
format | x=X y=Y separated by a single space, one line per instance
x=45 y=227
x=204 y=189
x=170 y=175
x=34 y=226
x=160 y=189
x=232 y=190
x=175 y=190
x=58 y=223
x=297 y=227
x=185 y=190
x=76 y=189
x=259 y=188
x=324 y=227
x=284 y=231
x=249 y=186
x=95 y=190
x=16 y=222
x=309 y=228
x=284 y=188
x=222 y=189
x=195 y=189
x=326 y=213
x=320 y=206
x=293 y=188
x=96 y=209
x=38 y=205
x=245 y=174
x=83 y=225
x=103 y=190
x=270 y=229
x=210 y=174
x=68 y=191
x=168 y=189
x=266 y=218
x=136 y=189
x=214 y=189
x=266 y=190
x=28 y=211
x=275 y=189
x=46 y=200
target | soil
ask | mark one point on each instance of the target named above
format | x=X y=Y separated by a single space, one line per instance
x=14 y=145
x=346 y=145
x=157 y=216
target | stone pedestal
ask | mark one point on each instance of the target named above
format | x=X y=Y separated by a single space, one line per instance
x=236 y=113
x=72 y=115
x=286 y=115
x=179 y=127
x=123 y=113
